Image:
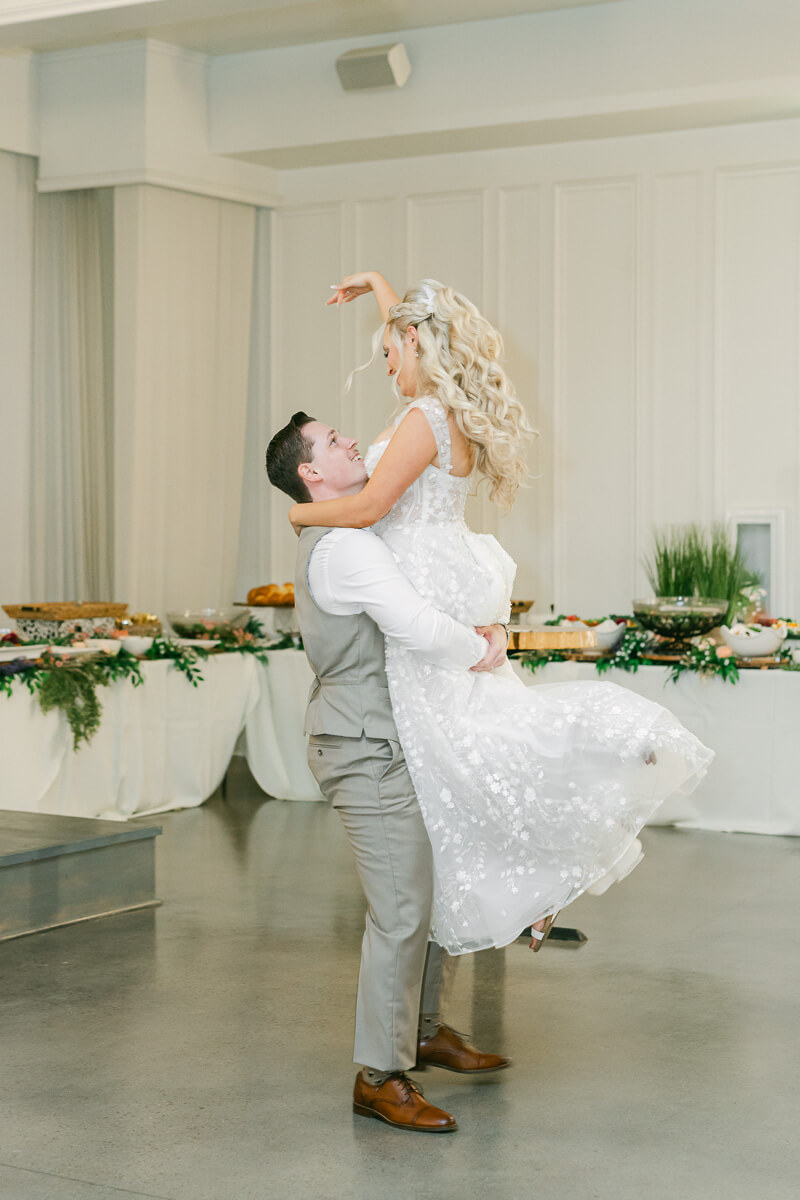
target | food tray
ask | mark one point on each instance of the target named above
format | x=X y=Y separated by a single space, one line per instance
x=271 y=604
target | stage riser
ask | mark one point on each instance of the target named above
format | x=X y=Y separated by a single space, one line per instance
x=60 y=885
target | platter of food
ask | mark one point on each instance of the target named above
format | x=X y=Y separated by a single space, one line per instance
x=59 y=619
x=271 y=595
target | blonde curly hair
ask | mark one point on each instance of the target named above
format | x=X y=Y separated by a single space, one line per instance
x=459 y=353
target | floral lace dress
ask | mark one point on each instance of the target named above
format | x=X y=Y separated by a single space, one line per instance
x=531 y=795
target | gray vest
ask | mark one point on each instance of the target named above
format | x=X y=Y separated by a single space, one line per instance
x=350 y=694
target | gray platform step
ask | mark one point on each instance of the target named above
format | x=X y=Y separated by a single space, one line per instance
x=59 y=870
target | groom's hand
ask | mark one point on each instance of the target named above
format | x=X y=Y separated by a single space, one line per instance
x=495 y=656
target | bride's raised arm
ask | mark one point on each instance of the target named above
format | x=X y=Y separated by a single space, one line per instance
x=411 y=450
x=359 y=284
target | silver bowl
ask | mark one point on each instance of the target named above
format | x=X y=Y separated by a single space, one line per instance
x=207 y=622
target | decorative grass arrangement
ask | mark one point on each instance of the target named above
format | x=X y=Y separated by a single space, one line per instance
x=689 y=560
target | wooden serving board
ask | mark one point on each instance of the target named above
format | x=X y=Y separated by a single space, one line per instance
x=758 y=664
x=551 y=637
x=265 y=604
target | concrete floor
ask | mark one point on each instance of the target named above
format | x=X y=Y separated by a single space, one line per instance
x=202 y=1052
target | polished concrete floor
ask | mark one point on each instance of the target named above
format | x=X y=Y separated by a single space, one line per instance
x=202 y=1052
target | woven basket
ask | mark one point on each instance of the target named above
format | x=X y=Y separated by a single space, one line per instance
x=64 y=611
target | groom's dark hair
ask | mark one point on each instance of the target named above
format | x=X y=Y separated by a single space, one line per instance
x=287 y=450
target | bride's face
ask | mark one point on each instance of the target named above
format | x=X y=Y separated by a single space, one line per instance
x=402 y=363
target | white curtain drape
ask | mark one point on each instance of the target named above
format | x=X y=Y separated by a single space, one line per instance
x=17 y=196
x=183 y=268
x=72 y=503
x=254 y=536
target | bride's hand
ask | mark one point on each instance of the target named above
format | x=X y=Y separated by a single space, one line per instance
x=359 y=284
x=495 y=656
x=351 y=287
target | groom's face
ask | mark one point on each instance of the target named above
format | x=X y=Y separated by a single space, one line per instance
x=336 y=464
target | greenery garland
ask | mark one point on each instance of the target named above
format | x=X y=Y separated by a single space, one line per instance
x=704 y=660
x=629 y=653
x=71 y=684
x=183 y=658
x=632 y=651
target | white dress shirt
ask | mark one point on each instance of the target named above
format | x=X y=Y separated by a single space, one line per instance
x=352 y=571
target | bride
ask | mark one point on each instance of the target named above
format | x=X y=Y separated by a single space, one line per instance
x=530 y=795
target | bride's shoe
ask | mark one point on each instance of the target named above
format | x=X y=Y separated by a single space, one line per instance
x=540 y=936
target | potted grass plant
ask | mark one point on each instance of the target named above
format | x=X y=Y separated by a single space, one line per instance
x=696 y=562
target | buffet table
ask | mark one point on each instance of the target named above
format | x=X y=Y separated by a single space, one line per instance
x=752 y=786
x=168 y=745
x=163 y=745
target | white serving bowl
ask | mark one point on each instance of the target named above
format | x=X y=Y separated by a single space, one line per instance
x=135 y=644
x=607 y=638
x=8 y=652
x=754 y=645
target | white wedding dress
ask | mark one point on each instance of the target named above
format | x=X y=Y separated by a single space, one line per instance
x=531 y=795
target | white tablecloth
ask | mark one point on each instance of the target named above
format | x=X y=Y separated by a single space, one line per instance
x=274 y=742
x=167 y=745
x=163 y=745
x=753 y=785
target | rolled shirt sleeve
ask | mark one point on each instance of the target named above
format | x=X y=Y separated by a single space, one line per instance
x=353 y=571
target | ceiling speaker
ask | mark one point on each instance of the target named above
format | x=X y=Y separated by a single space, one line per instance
x=374 y=67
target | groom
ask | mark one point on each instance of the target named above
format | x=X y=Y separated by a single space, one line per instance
x=349 y=592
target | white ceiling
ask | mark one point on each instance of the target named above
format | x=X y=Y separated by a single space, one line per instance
x=233 y=26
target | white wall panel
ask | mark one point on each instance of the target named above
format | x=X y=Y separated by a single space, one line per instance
x=758 y=385
x=307 y=360
x=595 y=378
x=526 y=532
x=677 y=405
x=379 y=245
x=445 y=241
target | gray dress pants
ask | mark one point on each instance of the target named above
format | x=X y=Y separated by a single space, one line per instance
x=367 y=780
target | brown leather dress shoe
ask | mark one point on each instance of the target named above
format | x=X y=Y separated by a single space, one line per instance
x=400 y=1102
x=452 y=1051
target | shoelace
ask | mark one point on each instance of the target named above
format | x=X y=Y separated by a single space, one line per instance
x=407 y=1085
x=466 y=1038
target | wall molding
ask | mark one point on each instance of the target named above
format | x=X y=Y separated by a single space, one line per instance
x=254 y=197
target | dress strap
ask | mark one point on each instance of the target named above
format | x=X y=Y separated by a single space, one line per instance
x=436 y=413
